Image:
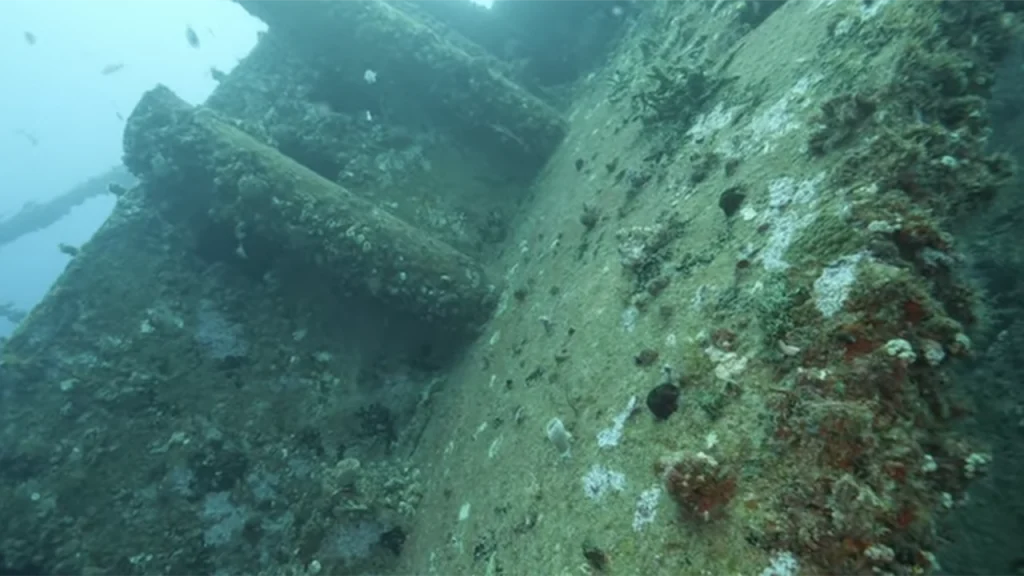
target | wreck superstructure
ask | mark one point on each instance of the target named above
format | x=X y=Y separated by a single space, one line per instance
x=326 y=330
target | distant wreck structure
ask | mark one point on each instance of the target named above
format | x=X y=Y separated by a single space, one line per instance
x=37 y=216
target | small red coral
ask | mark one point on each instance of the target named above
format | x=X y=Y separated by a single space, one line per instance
x=699 y=485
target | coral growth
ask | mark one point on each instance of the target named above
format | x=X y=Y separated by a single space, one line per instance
x=698 y=484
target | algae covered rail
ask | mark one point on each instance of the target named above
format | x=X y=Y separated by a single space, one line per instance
x=278 y=209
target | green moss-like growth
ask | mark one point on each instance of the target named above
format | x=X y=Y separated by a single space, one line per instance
x=675 y=93
x=773 y=307
x=828 y=237
x=838 y=121
x=697 y=367
x=935 y=150
x=945 y=171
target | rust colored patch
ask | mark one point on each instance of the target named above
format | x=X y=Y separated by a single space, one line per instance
x=914 y=312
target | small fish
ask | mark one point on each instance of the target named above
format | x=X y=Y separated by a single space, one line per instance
x=116 y=109
x=27 y=136
x=111 y=68
x=30 y=38
x=218 y=75
x=192 y=37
